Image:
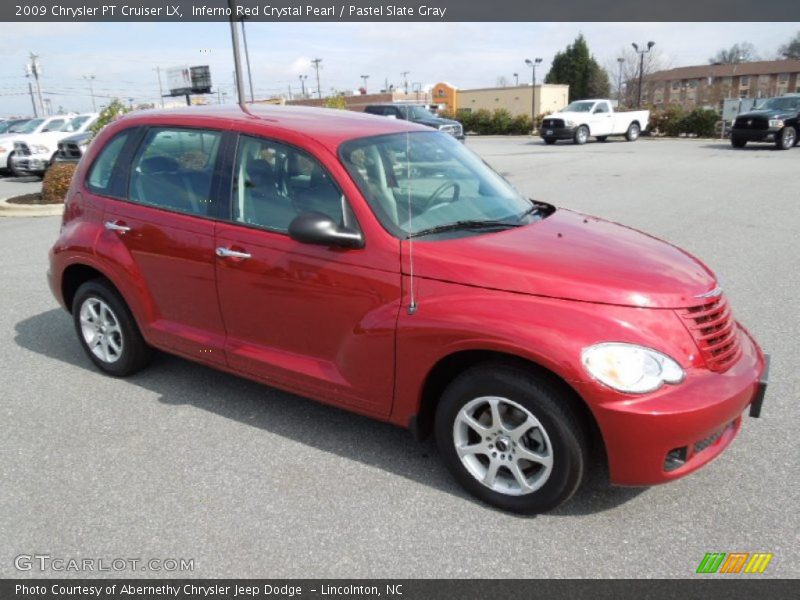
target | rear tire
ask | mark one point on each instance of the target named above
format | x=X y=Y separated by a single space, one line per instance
x=107 y=330
x=581 y=135
x=738 y=143
x=485 y=448
x=633 y=132
x=786 y=138
x=549 y=141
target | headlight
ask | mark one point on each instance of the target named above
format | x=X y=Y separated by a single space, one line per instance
x=776 y=123
x=630 y=368
x=36 y=149
x=569 y=123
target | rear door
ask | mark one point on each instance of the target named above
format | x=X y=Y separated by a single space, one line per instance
x=315 y=320
x=162 y=224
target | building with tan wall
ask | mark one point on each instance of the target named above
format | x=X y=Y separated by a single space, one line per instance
x=549 y=98
x=710 y=85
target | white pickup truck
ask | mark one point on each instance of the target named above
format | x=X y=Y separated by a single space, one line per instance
x=586 y=118
x=35 y=151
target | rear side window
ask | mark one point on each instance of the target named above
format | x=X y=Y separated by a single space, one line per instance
x=100 y=175
x=173 y=169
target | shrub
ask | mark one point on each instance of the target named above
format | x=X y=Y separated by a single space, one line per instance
x=114 y=110
x=700 y=122
x=521 y=125
x=56 y=182
x=673 y=121
x=335 y=102
x=501 y=122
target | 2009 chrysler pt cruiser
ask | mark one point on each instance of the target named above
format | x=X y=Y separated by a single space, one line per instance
x=382 y=267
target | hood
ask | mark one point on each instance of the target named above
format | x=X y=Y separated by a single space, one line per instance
x=569 y=116
x=768 y=113
x=572 y=256
x=433 y=121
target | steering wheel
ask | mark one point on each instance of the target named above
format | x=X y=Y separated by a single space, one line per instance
x=429 y=203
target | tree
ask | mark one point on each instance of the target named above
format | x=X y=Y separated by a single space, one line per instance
x=502 y=81
x=791 y=49
x=114 y=110
x=577 y=67
x=336 y=101
x=738 y=53
x=654 y=61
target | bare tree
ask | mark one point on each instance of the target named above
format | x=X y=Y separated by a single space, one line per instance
x=738 y=53
x=502 y=81
x=629 y=82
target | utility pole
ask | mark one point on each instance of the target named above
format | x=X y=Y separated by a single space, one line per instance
x=405 y=80
x=386 y=85
x=316 y=62
x=641 y=54
x=303 y=85
x=621 y=61
x=364 y=79
x=160 y=89
x=34 y=68
x=33 y=100
x=236 y=55
x=90 y=79
x=247 y=60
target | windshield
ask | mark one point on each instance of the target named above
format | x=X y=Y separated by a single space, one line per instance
x=30 y=126
x=419 y=181
x=75 y=124
x=417 y=112
x=579 y=107
x=780 y=104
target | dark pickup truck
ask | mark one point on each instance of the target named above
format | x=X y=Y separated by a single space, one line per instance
x=417 y=114
x=773 y=121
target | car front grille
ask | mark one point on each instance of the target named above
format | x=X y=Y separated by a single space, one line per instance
x=553 y=123
x=714 y=329
x=757 y=123
x=701 y=445
x=21 y=149
x=69 y=150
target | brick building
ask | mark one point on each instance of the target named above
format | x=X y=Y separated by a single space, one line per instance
x=710 y=85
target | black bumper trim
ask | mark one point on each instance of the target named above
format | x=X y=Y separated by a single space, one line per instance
x=558 y=133
x=758 y=399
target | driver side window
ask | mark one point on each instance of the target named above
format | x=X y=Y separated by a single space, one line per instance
x=602 y=107
x=274 y=183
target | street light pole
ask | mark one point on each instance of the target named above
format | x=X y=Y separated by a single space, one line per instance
x=641 y=54
x=160 y=89
x=405 y=80
x=620 y=60
x=303 y=85
x=516 y=79
x=533 y=64
x=364 y=79
x=90 y=79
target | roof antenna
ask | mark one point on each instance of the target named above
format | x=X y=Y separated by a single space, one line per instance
x=412 y=306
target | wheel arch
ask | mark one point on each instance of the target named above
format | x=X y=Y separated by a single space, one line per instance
x=450 y=366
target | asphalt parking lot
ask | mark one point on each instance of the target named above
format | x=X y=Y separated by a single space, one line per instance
x=181 y=461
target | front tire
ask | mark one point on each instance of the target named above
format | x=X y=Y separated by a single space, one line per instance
x=107 y=330
x=549 y=141
x=738 y=142
x=511 y=439
x=786 y=138
x=633 y=132
x=581 y=135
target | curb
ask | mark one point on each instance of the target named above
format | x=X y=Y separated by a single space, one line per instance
x=29 y=210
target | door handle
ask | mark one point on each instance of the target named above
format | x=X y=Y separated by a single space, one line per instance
x=116 y=226
x=228 y=253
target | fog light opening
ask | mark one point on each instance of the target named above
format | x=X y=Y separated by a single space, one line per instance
x=676 y=458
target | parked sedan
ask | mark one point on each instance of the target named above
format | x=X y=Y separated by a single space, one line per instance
x=382 y=267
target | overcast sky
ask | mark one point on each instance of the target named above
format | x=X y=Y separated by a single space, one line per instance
x=123 y=56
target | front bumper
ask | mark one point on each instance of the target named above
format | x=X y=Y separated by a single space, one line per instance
x=754 y=135
x=35 y=163
x=678 y=429
x=557 y=133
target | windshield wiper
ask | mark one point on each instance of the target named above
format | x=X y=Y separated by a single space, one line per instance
x=458 y=225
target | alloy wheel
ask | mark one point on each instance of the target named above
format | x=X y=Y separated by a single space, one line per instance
x=101 y=330
x=503 y=445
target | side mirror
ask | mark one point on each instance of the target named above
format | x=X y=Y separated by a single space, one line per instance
x=320 y=229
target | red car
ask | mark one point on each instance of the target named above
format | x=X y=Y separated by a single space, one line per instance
x=382 y=267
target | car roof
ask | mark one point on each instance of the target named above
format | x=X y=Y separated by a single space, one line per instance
x=328 y=126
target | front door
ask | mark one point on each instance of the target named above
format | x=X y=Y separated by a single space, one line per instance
x=315 y=320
